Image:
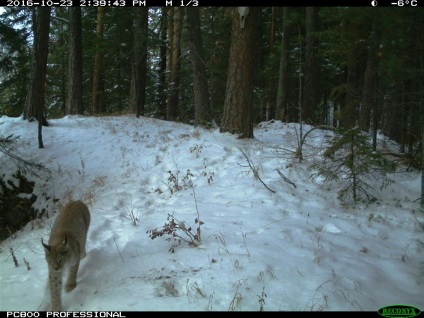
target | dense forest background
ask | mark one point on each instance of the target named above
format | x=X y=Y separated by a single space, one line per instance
x=231 y=67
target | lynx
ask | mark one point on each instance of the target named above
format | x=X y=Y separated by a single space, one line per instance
x=65 y=248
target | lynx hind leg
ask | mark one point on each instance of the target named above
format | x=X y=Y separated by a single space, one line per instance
x=55 y=282
x=71 y=281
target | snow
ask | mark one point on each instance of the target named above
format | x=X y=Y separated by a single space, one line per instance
x=295 y=249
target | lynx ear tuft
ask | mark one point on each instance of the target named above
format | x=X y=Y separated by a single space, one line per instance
x=47 y=247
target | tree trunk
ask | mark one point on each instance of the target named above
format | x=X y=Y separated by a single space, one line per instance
x=421 y=86
x=422 y=142
x=310 y=95
x=201 y=95
x=139 y=69
x=270 y=104
x=34 y=105
x=161 y=102
x=37 y=86
x=281 y=102
x=272 y=34
x=174 y=62
x=349 y=113
x=97 y=92
x=238 y=105
x=369 y=110
x=74 y=103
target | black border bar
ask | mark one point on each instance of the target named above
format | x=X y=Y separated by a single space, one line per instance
x=213 y=3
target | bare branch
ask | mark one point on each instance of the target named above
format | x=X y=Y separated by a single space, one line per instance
x=255 y=170
x=285 y=178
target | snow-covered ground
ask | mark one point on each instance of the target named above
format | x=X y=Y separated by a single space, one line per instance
x=288 y=247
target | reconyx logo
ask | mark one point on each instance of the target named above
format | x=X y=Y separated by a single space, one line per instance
x=399 y=311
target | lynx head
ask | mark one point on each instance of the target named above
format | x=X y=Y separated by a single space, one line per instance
x=57 y=255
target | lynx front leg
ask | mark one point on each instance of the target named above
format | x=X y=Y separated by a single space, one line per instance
x=83 y=241
x=83 y=253
x=55 y=282
x=71 y=282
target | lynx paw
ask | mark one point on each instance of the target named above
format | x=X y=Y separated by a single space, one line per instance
x=70 y=287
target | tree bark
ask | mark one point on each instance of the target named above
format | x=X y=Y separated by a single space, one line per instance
x=422 y=135
x=280 y=107
x=370 y=109
x=139 y=69
x=174 y=62
x=161 y=102
x=201 y=95
x=97 y=91
x=74 y=104
x=310 y=95
x=270 y=104
x=238 y=105
x=421 y=84
x=35 y=103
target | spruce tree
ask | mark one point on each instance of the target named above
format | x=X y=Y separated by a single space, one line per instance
x=351 y=159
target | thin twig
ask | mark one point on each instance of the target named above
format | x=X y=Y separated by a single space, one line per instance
x=118 y=249
x=285 y=178
x=198 y=215
x=255 y=171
